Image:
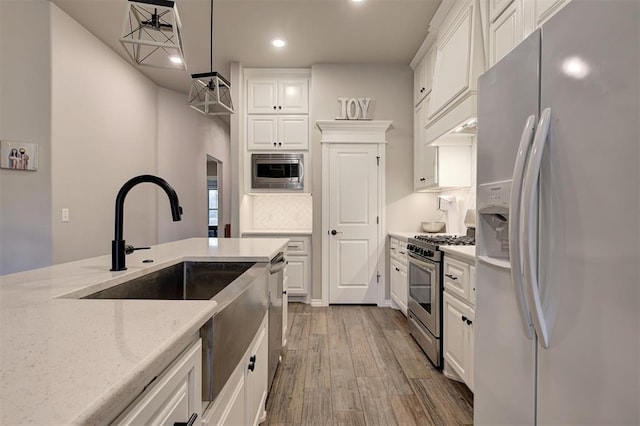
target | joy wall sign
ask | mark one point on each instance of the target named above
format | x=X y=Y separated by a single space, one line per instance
x=354 y=109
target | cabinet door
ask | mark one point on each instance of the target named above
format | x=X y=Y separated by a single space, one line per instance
x=418 y=132
x=293 y=96
x=262 y=96
x=257 y=378
x=297 y=272
x=427 y=70
x=293 y=132
x=455 y=335
x=174 y=396
x=545 y=9
x=505 y=33
x=472 y=284
x=285 y=312
x=403 y=289
x=418 y=83
x=262 y=132
x=453 y=62
x=470 y=345
x=395 y=283
x=496 y=7
x=234 y=409
x=429 y=159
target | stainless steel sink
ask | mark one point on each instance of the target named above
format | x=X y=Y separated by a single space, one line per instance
x=239 y=288
x=183 y=281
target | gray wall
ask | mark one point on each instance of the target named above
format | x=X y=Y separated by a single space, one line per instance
x=99 y=122
x=25 y=116
x=391 y=89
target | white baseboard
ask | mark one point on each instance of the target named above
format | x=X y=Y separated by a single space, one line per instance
x=385 y=304
x=316 y=303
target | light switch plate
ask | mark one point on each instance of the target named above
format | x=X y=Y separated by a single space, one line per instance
x=65 y=215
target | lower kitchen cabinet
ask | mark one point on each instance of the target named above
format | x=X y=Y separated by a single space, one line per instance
x=175 y=396
x=242 y=400
x=398 y=284
x=459 y=277
x=458 y=337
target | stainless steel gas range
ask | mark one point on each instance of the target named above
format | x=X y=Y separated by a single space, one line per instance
x=425 y=290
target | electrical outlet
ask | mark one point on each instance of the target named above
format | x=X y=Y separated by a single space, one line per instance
x=65 y=215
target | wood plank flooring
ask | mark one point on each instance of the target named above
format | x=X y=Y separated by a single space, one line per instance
x=358 y=365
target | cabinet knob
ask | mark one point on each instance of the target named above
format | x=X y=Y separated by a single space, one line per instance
x=274 y=107
x=464 y=319
x=469 y=322
x=279 y=143
x=274 y=144
x=279 y=107
x=422 y=179
x=397 y=269
x=252 y=363
x=284 y=292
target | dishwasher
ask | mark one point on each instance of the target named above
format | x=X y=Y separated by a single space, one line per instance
x=276 y=278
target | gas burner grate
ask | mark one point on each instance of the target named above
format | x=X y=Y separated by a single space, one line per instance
x=447 y=240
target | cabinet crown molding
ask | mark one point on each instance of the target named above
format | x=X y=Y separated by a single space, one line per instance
x=354 y=131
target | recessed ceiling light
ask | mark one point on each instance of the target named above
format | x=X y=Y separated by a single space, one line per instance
x=357 y=1
x=278 y=42
x=175 y=59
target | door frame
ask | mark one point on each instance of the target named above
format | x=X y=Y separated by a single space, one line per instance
x=353 y=132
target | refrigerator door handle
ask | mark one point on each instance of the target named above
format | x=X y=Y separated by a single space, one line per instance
x=529 y=227
x=515 y=252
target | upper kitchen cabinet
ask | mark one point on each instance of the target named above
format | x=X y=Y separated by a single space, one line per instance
x=278 y=96
x=423 y=76
x=537 y=12
x=496 y=7
x=459 y=62
x=285 y=132
x=505 y=31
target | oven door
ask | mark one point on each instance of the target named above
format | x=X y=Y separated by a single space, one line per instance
x=424 y=293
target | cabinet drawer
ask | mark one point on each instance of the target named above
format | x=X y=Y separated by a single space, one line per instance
x=298 y=246
x=456 y=278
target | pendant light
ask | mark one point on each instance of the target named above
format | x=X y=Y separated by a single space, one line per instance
x=210 y=92
x=151 y=34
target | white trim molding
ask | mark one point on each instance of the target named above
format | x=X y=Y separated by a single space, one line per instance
x=316 y=303
x=353 y=132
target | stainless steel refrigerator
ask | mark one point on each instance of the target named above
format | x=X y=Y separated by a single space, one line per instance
x=557 y=324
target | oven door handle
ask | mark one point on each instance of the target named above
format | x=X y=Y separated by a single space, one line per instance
x=422 y=264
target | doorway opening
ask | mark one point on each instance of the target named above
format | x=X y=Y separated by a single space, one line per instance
x=214 y=195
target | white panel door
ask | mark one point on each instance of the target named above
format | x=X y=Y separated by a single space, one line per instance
x=293 y=132
x=262 y=132
x=353 y=212
x=262 y=96
x=293 y=96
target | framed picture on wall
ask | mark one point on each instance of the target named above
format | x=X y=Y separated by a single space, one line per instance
x=18 y=155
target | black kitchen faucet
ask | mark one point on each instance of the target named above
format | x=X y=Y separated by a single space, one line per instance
x=118 y=247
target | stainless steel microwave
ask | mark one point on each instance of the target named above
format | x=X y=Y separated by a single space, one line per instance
x=277 y=171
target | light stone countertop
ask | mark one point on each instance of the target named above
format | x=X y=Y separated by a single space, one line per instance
x=70 y=361
x=465 y=253
x=276 y=232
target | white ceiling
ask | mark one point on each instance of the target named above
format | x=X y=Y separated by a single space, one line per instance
x=317 y=31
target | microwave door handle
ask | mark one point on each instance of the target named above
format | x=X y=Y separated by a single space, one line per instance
x=301 y=167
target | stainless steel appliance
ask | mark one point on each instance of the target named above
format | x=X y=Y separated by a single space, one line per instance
x=425 y=290
x=556 y=321
x=275 y=313
x=277 y=171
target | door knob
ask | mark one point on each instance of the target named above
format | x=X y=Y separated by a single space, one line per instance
x=334 y=232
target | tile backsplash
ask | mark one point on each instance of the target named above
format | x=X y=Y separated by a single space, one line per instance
x=282 y=212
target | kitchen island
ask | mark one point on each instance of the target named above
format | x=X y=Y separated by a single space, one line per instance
x=66 y=360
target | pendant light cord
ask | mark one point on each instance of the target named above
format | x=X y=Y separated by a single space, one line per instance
x=211 y=39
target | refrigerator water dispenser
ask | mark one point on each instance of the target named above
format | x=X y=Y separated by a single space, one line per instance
x=493 y=211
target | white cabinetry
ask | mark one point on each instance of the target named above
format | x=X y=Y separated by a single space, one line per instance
x=505 y=32
x=298 y=266
x=458 y=318
x=175 y=396
x=277 y=109
x=286 y=132
x=278 y=95
x=398 y=284
x=459 y=59
x=242 y=400
x=423 y=76
x=445 y=166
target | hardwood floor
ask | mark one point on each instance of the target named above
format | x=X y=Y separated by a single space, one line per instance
x=358 y=365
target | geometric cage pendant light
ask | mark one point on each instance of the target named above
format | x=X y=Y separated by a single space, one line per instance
x=151 y=34
x=210 y=92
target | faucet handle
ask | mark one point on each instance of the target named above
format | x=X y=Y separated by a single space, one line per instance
x=128 y=249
